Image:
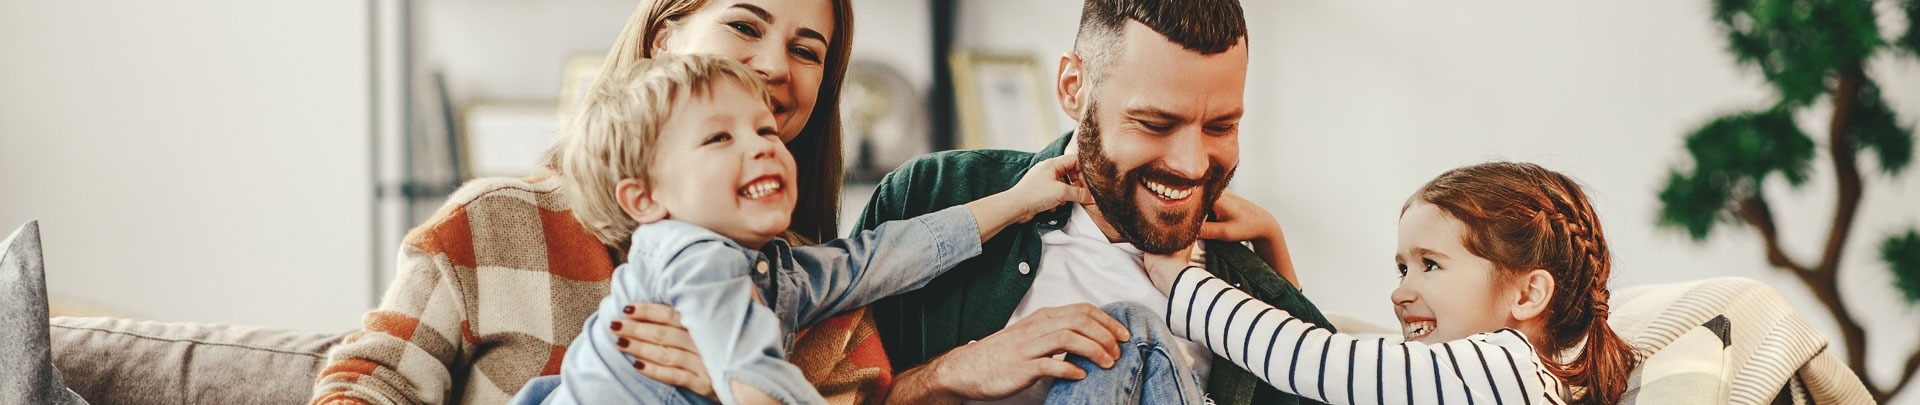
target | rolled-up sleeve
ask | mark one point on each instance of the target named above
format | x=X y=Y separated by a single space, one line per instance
x=898 y=256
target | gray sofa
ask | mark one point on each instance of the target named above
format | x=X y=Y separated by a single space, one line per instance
x=119 y=361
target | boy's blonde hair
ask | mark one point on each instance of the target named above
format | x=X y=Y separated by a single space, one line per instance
x=613 y=137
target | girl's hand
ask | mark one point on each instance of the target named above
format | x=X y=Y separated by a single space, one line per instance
x=652 y=333
x=1162 y=269
x=1235 y=219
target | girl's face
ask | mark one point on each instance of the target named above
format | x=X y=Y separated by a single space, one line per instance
x=1446 y=293
x=784 y=41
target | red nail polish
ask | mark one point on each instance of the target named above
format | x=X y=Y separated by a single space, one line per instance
x=622 y=343
x=616 y=325
x=628 y=310
x=637 y=364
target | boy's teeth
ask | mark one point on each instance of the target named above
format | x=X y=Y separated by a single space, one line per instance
x=760 y=189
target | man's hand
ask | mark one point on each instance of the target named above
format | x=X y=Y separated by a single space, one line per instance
x=1016 y=357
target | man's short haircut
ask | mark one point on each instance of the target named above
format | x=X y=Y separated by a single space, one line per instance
x=1205 y=26
x=615 y=134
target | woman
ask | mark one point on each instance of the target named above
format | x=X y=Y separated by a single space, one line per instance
x=490 y=289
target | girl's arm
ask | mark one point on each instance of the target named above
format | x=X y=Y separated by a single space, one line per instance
x=1301 y=358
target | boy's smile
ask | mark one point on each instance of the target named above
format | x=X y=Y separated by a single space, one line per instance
x=721 y=165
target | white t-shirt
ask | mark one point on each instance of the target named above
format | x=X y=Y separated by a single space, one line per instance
x=1078 y=264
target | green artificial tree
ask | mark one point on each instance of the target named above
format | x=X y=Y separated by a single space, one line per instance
x=1809 y=51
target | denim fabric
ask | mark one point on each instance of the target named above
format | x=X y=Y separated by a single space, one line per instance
x=1148 y=372
x=717 y=285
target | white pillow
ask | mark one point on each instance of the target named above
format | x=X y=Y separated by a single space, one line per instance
x=1693 y=369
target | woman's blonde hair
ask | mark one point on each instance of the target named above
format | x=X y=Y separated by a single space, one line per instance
x=816 y=150
x=615 y=134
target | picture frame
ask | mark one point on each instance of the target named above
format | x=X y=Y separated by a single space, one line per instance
x=1003 y=99
x=576 y=79
x=506 y=139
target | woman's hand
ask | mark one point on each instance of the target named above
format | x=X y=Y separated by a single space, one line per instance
x=652 y=333
x=1235 y=219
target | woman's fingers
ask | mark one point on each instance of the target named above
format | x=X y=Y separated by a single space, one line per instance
x=657 y=334
x=648 y=312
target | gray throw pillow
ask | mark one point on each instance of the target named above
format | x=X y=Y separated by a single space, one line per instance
x=27 y=375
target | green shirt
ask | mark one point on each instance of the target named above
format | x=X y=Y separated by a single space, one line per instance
x=976 y=298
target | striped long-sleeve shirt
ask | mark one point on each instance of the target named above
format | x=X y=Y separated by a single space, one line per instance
x=1495 y=368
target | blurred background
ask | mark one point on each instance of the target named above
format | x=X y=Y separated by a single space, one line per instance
x=257 y=162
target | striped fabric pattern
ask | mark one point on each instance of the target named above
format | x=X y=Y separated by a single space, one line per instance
x=491 y=290
x=1496 y=368
x=1772 y=345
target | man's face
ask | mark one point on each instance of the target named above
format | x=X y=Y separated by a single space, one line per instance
x=1160 y=137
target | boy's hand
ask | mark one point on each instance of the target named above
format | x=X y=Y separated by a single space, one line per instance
x=1043 y=188
x=1040 y=190
x=1162 y=269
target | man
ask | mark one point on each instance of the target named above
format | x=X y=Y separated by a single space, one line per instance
x=1157 y=88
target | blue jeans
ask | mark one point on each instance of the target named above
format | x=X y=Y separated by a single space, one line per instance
x=1145 y=374
x=547 y=389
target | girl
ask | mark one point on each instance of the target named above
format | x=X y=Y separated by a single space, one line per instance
x=1503 y=282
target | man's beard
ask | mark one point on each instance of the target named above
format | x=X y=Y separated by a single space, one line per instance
x=1114 y=193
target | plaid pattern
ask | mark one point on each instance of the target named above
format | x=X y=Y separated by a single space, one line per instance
x=492 y=289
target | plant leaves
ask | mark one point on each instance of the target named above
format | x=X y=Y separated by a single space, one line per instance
x=1874 y=127
x=1798 y=43
x=1749 y=146
x=1902 y=254
x=1693 y=204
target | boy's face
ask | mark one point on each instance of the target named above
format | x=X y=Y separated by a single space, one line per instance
x=1446 y=293
x=721 y=165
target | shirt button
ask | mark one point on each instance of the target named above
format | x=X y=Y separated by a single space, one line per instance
x=1024 y=268
x=761 y=267
x=1053 y=222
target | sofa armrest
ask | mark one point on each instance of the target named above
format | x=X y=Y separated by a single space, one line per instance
x=120 y=361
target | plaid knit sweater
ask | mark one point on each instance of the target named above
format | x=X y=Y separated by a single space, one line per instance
x=491 y=290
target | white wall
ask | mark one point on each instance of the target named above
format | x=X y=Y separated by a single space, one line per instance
x=1353 y=105
x=193 y=161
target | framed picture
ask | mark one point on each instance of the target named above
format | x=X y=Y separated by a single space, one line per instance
x=575 y=80
x=1003 y=100
x=506 y=139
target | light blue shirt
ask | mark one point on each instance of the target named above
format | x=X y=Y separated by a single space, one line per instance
x=711 y=281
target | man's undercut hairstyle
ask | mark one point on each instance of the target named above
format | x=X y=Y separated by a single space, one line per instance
x=1205 y=26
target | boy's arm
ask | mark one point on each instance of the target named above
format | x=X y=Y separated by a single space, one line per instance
x=904 y=255
x=738 y=338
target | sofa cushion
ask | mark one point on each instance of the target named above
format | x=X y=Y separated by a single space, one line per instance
x=26 y=376
x=120 y=361
x=1693 y=369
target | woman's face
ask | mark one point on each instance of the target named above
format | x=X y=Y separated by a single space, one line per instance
x=784 y=41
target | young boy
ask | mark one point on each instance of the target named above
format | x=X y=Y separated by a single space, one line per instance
x=685 y=147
